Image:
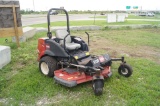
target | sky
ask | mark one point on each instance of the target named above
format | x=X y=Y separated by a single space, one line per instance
x=89 y=4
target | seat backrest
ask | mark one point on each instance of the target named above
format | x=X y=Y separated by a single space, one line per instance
x=61 y=34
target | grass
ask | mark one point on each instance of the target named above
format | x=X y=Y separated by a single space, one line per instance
x=97 y=22
x=143 y=17
x=21 y=83
x=130 y=16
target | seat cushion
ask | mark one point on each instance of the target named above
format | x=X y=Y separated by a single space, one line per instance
x=69 y=45
x=72 y=46
x=61 y=34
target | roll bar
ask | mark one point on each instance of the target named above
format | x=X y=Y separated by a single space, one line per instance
x=49 y=34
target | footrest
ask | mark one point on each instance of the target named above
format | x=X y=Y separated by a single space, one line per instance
x=70 y=70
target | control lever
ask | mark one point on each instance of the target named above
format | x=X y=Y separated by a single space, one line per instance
x=88 y=37
x=101 y=68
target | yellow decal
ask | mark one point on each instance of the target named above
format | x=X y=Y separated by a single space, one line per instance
x=87 y=53
x=76 y=57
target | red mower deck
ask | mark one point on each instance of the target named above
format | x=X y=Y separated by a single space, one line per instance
x=72 y=79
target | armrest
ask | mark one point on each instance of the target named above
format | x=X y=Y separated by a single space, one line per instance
x=58 y=39
x=78 y=38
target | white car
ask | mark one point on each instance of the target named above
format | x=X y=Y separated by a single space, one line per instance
x=150 y=14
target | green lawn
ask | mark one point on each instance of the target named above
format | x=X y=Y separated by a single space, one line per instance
x=131 y=16
x=143 y=17
x=97 y=22
x=21 y=83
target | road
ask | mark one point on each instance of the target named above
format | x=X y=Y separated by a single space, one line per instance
x=38 y=19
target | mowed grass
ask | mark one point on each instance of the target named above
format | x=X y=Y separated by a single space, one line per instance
x=21 y=83
x=143 y=17
x=131 y=16
x=97 y=22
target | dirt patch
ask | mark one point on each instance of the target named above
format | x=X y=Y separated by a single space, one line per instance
x=114 y=49
x=152 y=30
x=117 y=101
x=46 y=101
x=3 y=100
x=58 y=98
x=14 y=70
x=20 y=65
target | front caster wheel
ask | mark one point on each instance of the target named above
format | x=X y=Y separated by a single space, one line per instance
x=125 y=70
x=98 y=87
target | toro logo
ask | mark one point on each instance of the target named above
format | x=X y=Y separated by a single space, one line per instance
x=47 y=46
x=101 y=58
x=96 y=61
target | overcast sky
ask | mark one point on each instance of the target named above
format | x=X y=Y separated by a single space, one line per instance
x=89 y=4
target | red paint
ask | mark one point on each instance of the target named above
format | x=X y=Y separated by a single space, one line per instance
x=77 y=76
x=41 y=47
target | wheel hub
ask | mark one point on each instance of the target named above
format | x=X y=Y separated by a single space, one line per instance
x=44 y=68
x=124 y=71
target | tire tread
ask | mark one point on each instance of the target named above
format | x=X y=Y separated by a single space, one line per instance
x=52 y=64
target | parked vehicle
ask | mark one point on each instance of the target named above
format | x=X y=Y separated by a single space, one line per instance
x=102 y=13
x=151 y=14
x=53 y=12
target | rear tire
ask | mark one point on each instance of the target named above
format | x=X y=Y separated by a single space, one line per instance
x=98 y=87
x=47 y=66
x=125 y=70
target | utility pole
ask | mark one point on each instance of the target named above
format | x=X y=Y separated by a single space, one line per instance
x=33 y=6
x=94 y=17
